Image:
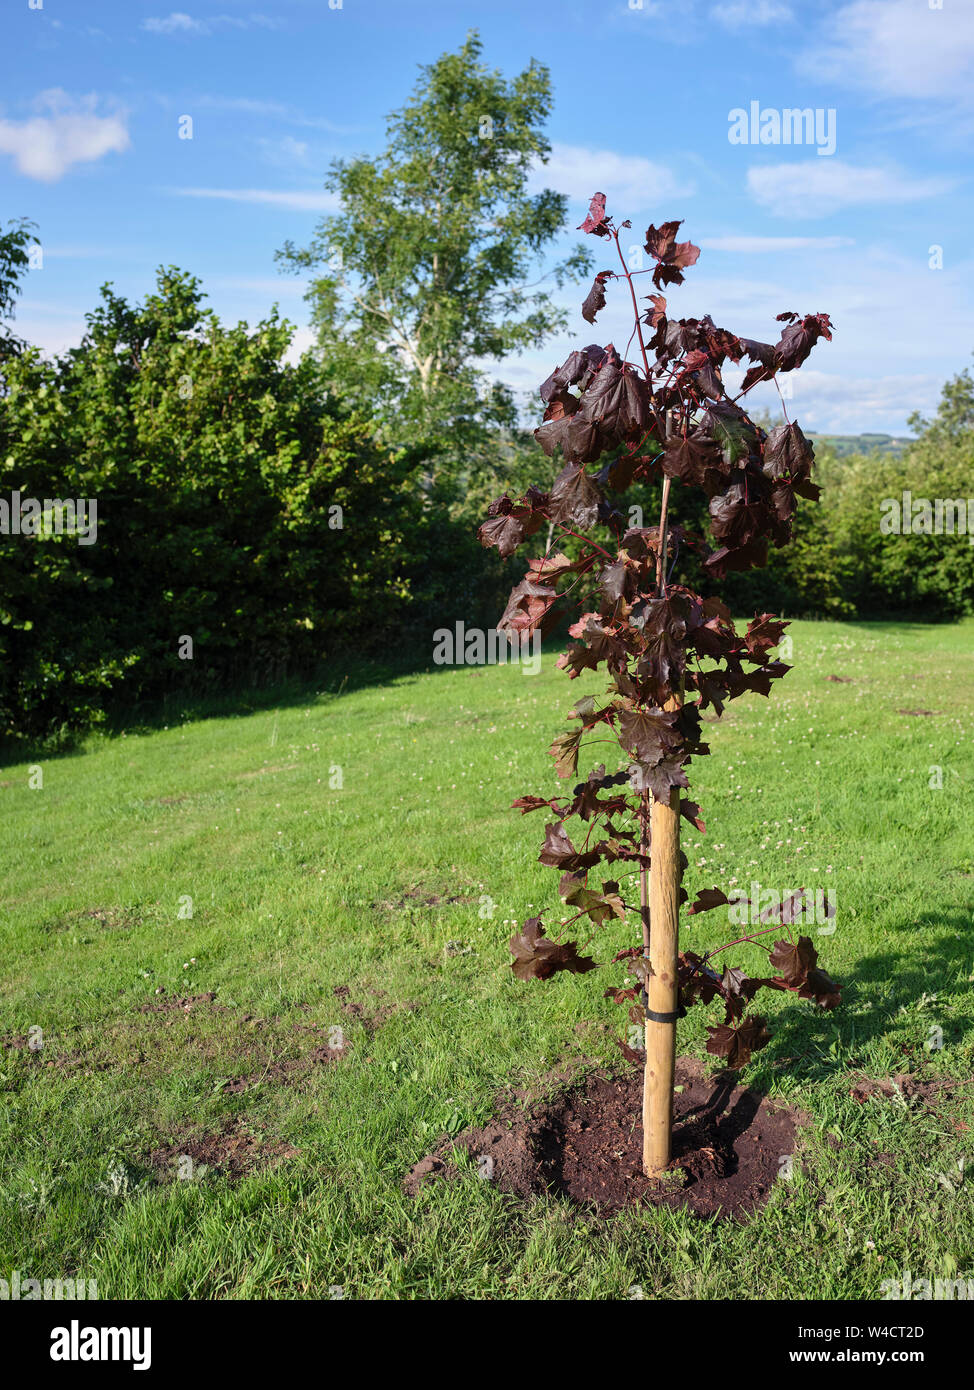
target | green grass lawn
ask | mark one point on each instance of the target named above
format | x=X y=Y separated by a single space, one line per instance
x=402 y=884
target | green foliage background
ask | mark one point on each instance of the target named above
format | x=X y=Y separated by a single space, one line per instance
x=217 y=466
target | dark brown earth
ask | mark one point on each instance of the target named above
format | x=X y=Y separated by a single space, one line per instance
x=585 y=1143
x=371 y=1015
x=231 y=1153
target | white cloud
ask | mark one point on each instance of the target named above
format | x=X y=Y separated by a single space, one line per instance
x=52 y=329
x=180 y=23
x=853 y=404
x=176 y=23
x=755 y=245
x=817 y=188
x=629 y=182
x=303 y=339
x=44 y=147
x=898 y=48
x=738 y=14
x=668 y=10
x=305 y=201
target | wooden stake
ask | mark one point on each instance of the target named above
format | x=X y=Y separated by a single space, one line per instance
x=664 y=906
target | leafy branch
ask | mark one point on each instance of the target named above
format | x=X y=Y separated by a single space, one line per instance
x=668 y=652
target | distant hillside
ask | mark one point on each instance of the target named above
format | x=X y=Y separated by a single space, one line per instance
x=843 y=444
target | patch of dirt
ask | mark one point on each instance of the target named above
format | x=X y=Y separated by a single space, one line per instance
x=421 y=897
x=172 y=800
x=112 y=918
x=241 y=1050
x=184 y=1003
x=840 y=680
x=585 y=1143
x=286 y=1071
x=76 y=1061
x=373 y=1016
x=44 y=1058
x=232 y=1153
x=925 y=712
x=906 y=1085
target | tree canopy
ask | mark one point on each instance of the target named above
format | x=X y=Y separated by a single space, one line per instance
x=422 y=273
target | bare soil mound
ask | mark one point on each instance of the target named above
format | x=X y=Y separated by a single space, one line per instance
x=585 y=1143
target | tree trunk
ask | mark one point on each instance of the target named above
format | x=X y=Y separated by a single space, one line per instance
x=664 y=904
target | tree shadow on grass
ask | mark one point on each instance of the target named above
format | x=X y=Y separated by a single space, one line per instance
x=239 y=702
x=343 y=675
x=924 y=958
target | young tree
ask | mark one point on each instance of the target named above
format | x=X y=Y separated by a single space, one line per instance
x=669 y=653
x=423 y=271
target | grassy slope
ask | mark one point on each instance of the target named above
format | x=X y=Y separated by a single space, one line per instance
x=299 y=887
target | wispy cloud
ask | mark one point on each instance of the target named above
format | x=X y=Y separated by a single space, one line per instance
x=754 y=245
x=81 y=253
x=824 y=186
x=630 y=183
x=44 y=147
x=179 y=22
x=306 y=201
x=284 y=153
x=898 y=48
x=738 y=14
x=273 y=110
x=176 y=23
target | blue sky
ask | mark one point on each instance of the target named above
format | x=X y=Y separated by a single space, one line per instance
x=94 y=93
